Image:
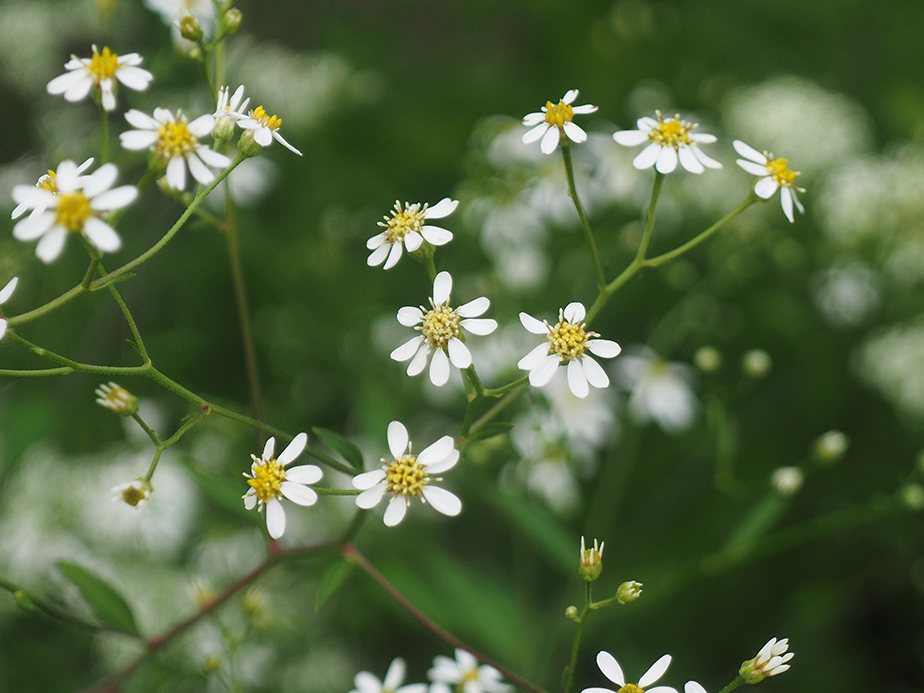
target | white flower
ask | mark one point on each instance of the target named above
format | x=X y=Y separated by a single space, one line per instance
x=613 y=672
x=365 y=682
x=406 y=227
x=100 y=71
x=668 y=140
x=117 y=399
x=439 y=329
x=409 y=475
x=48 y=182
x=567 y=343
x=775 y=174
x=770 y=661
x=269 y=481
x=76 y=208
x=464 y=675
x=660 y=391
x=555 y=120
x=5 y=294
x=229 y=110
x=787 y=480
x=265 y=128
x=135 y=493
x=176 y=142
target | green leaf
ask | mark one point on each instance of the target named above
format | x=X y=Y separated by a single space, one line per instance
x=489 y=430
x=335 y=576
x=107 y=604
x=342 y=446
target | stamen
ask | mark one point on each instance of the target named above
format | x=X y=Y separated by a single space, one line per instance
x=267 y=479
x=175 y=139
x=72 y=211
x=133 y=495
x=568 y=339
x=405 y=477
x=439 y=326
x=558 y=114
x=49 y=182
x=403 y=221
x=779 y=169
x=631 y=688
x=671 y=133
x=271 y=121
x=103 y=66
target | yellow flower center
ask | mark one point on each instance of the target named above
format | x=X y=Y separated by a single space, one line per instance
x=439 y=326
x=72 y=211
x=630 y=688
x=405 y=477
x=103 y=65
x=411 y=218
x=271 y=121
x=568 y=340
x=558 y=114
x=133 y=496
x=671 y=133
x=175 y=139
x=48 y=182
x=782 y=174
x=267 y=479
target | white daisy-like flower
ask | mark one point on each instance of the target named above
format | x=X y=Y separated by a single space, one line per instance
x=409 y=475
x=269 y=481
x=229 y=110
x=661 y=391
x=775 y=174
x=568 y=343
x=5 y=294
x=75 y=208
x=439 y=329
x=668 y=141
x=265 y=128
x=116 y=398
x=365 y=682
x=407 y=227
x=100 y=71
x=48 y=182
x=464 y=675
x=176 y=142
x=611 y=670
x=135 y=493
x=770 y=661
x=554 y=120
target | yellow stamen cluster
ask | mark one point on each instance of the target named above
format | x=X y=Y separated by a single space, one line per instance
x=671 y=133
x=72 y=211
x=631 y=688
x=271 y=121
x=175 y=139
x=399 y=224
x=134 y=493
x=470 y=675
x=405 y=477
x=568 y=339
x=103 y=65
x=439 y=326
x=267 y=479
x=48 y=182
x=558 y=114
x=779 y=169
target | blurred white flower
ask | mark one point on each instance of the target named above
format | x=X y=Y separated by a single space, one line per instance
x=660 y=391
x=611 y=670
x=100 y=71
x=464 y=675
x=364 y=682
x=847 y=295
x=47 y=182
x=5 y=294
x=407 y=227
x=787 y=480
x=668 y=141
x=774 y=174
x=554 y=121
x=892 y=360
x=172 y=11
x=134 y=493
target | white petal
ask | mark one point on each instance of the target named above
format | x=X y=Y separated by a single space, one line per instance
x=30 y=196
x=371 y=497
x=163 y=115
x=574 y=132
x=749 y=152
x=439 y=368
x=108 y=100
x=610 y=668
x=752 y=168
x=693 y=687
x=367 y=480
x=263 y=136
x=647 y=157
x=394 y=255
x=667 y=160
x=705 y=159
x=293 y=449
x=630 y=138
x=138 y=139
x=250 y=500
x=376 y=241
x=765 y=187
x=395 y=675
x=134 y=77
x=570 y=96
x=8 y=290
x=532 y=119
x=33 y=226
x=444 y=464
x=786 y=202
x=533 y=325
x=410 y=316
x=534 y=357
x=655 y=672
x=62 y=83
x=275 y=518
x=78 y=90
x=436 y=235
x=176 y=173
x=441 y=209
x=298 y=493
x=537 y=132
x=585 y=109
x=279 y=138
x=688 y=159
x=574 y=312
x=202 y=126
x=594 y=373
x=141 y=120
x=479 y=326
x=269 y=448
x=100 y=180
x=304 y=474
x=67 y=178
x=407 y=350
x=795 y=200
x=377 y=256
x=473 y=309
x=436 y=452
x=117 y=198
x=394 y=513
x=702 y=137
x=542 y=374
x=419 y=362
x=52 y=244
x=199 y=170
x=549 y=141
x=397 y=439
x=102 y=235
x=647 y=124
x=443 y=501
x=577 y=382
x=604 y=348
x=459 y=354
x=442 y=287
x=412 y=241
x=213 y=158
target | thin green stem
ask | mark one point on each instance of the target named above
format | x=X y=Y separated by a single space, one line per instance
x=91 y=270
x=103 y=133
x=40 y=372
x=89 y=368
x=504 y=389
x=496 y=409
x=572 y=191
x=575 y=646
x=733 y=685
x=336 y=491
x=152 y=434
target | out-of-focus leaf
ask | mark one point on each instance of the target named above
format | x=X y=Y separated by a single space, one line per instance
x=335 y=576
x=108 y=605
x=495 y=428
x=342 y=446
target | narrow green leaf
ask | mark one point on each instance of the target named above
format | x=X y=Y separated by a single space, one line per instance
x=342 y=446
x=489 y=430
x=335 y=576
x=107 y=604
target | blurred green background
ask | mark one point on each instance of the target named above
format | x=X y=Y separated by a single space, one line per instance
x=416 y=101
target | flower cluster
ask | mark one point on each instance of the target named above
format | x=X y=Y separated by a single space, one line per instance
x=460 y=675
x=406 y=228
x=100 y=71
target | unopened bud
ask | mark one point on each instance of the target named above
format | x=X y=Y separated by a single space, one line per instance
x=233 y=19
x=787 y=480
x=591 y=561
x=830 y=447
x=572 y=613
x=913 y=496
x=770 y=661
x=756 y=363
x=247 y=145
x=707 y=359
x=117 y=399
x=190 y=29
x=629 y=592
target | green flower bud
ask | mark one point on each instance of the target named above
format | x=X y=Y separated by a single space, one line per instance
x=572 y=613
x=707 y=359
x=247 y=145
x=591 y=561
x=830 y=447
x=117 y=399
x=770 y=661
x=629 y=592
x=190 y=29
x=233 y=19
x=756 y=363
x=913 y=496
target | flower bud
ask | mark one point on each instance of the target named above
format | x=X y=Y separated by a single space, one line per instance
x=787 y=480
x=247 y=145
x=629 y=592
x=770 y=661
x=233 y=19
x=830 y=447
x=211 y=665
x=591 y=561
x=756 y=363
x=117 y=399
x=572 y=613
x=190 y=29
x=707 y=359
x=913 y=496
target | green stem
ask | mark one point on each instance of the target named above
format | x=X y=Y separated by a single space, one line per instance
x=504 y=389
x=336 y=491
x=40 y=372
x=575 y=646
x=45 y=353
x=572 y=191
x=733 y=685
x=103 y=133
x=496 y=409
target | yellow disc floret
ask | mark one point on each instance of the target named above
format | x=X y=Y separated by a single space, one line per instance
x=175 y=139
x=631 y=688
x=558 y=114
x=103 y=65
x=48 y=182
x=267 y=479
x=270 y=121
x=671 y=133
x=439 y=326
x=72 y=211
x=782 y=174
x=133 y=495
x=405 y=477
x=568 y=339
x=403 y=221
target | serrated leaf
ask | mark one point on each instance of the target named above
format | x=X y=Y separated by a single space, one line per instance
x=107 y=604
x=335 y=576
x=342 y=446
x=495 y=428
x=226 y=493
